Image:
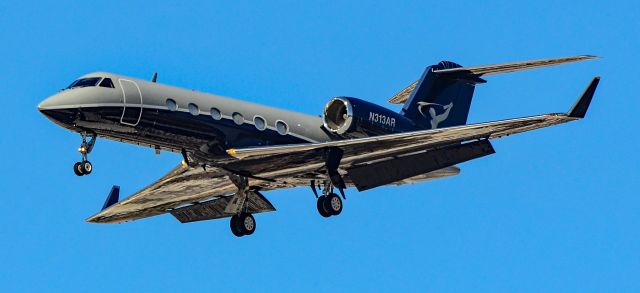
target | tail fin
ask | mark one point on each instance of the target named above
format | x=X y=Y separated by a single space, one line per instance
x=441 y=100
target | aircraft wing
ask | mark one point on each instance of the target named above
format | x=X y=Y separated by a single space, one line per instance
x=266 y=161
x=275 y=161
x=182 y=186
x=195 y=194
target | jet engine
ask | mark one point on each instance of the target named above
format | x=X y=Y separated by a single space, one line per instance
x=353 y=118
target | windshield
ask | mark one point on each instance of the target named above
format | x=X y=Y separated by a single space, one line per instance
x=83 y=82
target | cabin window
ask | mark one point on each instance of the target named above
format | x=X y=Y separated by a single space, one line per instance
x=107 y=83
x=282 y=127
x=193 y=109
x=238 y=118
x=171 y=105
x=259 y=123
x=84 y=82
x=215 y=114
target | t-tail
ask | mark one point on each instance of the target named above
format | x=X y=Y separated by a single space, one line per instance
x=442 y=96
x=440 y=100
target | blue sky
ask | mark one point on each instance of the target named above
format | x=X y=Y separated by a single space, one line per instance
x=553 y=210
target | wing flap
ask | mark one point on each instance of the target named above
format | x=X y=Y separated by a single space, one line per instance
x=214 y=209
x=368 y=176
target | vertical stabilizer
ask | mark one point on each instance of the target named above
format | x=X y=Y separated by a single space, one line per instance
x=440 y=100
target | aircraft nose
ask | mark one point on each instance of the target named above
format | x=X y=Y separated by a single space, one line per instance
x=58 y=108
x=61 y=100
x=52 y=102
x=45 y=104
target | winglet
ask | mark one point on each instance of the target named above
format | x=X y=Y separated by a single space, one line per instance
x=581 y=106
x=113 y=197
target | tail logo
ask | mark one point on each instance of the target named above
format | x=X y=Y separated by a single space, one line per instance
x=435 y=118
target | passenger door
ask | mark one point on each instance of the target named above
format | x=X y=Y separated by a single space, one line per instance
x=132 y=102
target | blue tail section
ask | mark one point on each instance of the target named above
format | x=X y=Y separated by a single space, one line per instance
x=440 y=100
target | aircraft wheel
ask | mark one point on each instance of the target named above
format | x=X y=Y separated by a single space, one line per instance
x=320 y=206
x=86 y=167
x=77 y=169
x=233 y=223
x=247 y=224
x=333 y=204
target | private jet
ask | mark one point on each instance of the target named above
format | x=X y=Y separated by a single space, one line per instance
x=233 y=151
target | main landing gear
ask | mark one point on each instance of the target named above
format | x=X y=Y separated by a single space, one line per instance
x=328 y=204
x=84 y=167
x=242 y=222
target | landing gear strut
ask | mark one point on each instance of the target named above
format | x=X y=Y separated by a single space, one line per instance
x=84 y=167
x=330 y=204
x=242 y=222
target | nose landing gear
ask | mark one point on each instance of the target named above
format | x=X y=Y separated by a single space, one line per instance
x=84 y=167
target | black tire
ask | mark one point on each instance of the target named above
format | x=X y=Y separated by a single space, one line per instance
x=333 y=204
x=86 y=167
x=320 y=206
x=77 y=170
x=233 y=224
x=247 y=224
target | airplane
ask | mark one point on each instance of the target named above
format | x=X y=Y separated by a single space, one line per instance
x=233 y=151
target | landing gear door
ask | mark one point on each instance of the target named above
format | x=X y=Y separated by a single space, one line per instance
x=132 y=102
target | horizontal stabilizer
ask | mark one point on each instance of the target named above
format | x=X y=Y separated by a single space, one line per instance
x=579 y=109
x=513 y=66
x=403 y=95
x=474 y=72
x=114 y=196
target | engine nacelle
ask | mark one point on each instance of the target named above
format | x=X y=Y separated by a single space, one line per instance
x=353 y=118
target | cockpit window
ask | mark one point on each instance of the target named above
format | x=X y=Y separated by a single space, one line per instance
x=107 y=83
x=84 y=82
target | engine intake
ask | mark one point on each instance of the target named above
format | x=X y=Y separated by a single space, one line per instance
x=352 y=118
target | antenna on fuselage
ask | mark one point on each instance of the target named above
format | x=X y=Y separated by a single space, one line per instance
x=154 y=77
